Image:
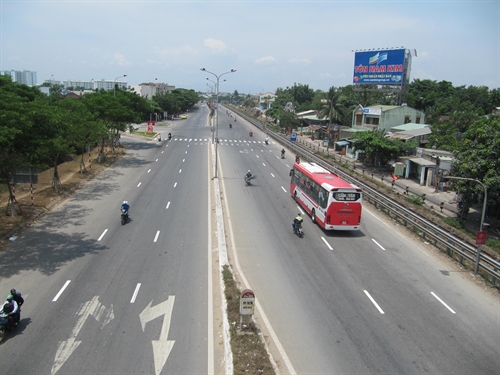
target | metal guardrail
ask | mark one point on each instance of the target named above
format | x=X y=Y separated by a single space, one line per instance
x=421 y=226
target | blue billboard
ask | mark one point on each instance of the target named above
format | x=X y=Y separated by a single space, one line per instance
x=384 y=67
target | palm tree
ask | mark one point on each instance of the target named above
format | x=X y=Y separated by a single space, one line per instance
x=332 y=108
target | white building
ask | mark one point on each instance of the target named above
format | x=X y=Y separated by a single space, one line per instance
x=148 y=90
x=87 y=85
x=109 y=85
x=25 y=77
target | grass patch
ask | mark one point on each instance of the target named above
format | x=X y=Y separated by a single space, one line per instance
x=249 y=353
x=453 y=222
x=146 y=134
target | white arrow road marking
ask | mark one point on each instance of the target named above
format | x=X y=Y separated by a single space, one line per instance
x=161 y=347
x=66 y=348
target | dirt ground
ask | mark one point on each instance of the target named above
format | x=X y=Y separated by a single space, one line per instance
x=44 y=197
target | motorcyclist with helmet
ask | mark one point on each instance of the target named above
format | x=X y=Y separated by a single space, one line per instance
x=297 y=222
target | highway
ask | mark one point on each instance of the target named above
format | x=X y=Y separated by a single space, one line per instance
x=105 y=298
x=368 y=301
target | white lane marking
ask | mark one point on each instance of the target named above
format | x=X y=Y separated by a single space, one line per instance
x=157 y=159
x=379 y=245
x=139 y=184
x=183 y=160
x=180 y=170
x=156 y=237
x=162 y=152
x=168 y=204
x=149 y=170
x=186 y=152
x=175 y=184
x=134 y=296
x=283 y=189
x=263 y=164
x=102 y=235
x=61 y=291
x=272 y=175
x=327 y=244
x=300 y=209
x=373 y=301
x=445 y=305
x=257 y=156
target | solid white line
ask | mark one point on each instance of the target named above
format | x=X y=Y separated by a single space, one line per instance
x=373 y=301
x=168 y=204
x=283 y=189
x=102 y=235
x=149 y=170
x=379 y=245
x=210 y=304
x=134 y=296
x=156 y=237
x=327 y=244
x=445 y=305
x=61 y=291
x=175 y=184
x=272 y=175
x=139 y=184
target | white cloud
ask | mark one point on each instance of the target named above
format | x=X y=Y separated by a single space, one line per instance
x=120 y=59
x=300 y=61
x=265 y=60
x=214 y=44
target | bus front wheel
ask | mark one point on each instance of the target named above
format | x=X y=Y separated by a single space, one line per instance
x=313 y=216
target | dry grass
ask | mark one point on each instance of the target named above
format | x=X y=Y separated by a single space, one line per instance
x=249 y=352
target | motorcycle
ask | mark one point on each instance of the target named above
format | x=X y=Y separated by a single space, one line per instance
x=251 y=133
x=297 y=229
x=230 y=126
x=6 y=324
x=124 y=216
x=282 y=155
x=169 y=136
x=297 y=159
x=248 y=180
x=267 y=141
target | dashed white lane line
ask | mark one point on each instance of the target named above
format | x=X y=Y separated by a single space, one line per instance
x=134 y=296
x=61 y=291
x=156 y=237
x=373 y=301
x=102 y=235
x=149 y=170
x=175 y=184
x=444 y=304
x=272 y=175
x=157 y=159
x=263 y=164
x=183 y=160
x=379 y=245
x=168 y=204
x=283 y=189
x=257 y=156
x=327 y=244
x=139 y=184
x=180 y=170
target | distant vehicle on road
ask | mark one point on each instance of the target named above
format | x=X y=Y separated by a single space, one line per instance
x=183 y=117
x=332 y=202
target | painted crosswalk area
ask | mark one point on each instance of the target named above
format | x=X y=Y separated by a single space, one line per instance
x=230 y=142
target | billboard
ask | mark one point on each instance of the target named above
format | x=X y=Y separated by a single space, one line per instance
x=384 y=67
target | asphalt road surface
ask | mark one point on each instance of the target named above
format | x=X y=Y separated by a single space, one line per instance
x=104 y=298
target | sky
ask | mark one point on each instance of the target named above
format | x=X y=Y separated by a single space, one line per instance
x=271 y=44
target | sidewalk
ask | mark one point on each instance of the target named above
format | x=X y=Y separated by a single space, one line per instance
x=433 y=199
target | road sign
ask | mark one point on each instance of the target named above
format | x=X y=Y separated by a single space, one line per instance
x=293 y=137
x=247 y=302
x=481 y=238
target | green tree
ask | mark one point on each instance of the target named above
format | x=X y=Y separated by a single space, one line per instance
x=332 y=107
x=478 y=157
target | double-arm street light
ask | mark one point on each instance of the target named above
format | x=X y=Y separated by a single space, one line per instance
x=114 y=84
x=476 y=269
x=217 y=114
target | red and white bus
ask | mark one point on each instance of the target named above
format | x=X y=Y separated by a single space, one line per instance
x=332 y=202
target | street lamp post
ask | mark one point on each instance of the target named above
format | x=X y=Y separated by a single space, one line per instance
x=151 y=102
x=217 y=114
x=476 y=268
x=114 y=84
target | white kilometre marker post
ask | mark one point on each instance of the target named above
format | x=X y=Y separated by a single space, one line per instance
x=162 y=346
x=66 y=348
